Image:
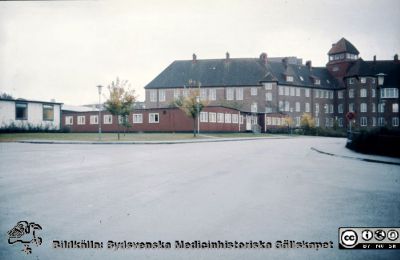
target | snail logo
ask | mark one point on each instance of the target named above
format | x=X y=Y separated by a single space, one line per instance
x=24 y=232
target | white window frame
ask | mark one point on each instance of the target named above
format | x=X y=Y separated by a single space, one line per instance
x=363 y=121
x=81 y=120
x=395 y=107
x=363 y=92
x=307 y=107
x=268 y=85
x=204 y=117
x=94 y=119
x=212 y=117
x=137 y=118
x=107 y=119
x=235 y=118
x=298 y=109
x=340 y=94
x=212 y=94
x=228 y=118
x=230 y=93
x=220 y=118
x=289 y=78
x=254 y=107
x=253 y=91
x=154 y=118
x=153 y=95
x=268 y=96
x=177 y=93
x=239 y=93
x=395 y=121
x=363 y=108
x=307 y=92
x=69 y=120
x=203 y=94
x=161 y=95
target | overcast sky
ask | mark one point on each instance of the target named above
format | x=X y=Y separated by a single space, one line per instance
x=63 y=49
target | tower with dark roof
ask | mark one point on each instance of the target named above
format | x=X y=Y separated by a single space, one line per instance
x=341 y=56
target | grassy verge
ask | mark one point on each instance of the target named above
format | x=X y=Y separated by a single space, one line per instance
x=10 y=137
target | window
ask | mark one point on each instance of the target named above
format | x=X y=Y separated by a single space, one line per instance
x=253 y=91
x=363 y=92
x=316 y=108
x=326 y=122
x=289 y=78
x=395 y=108
x=363 y=121
x=317 y=82
x=81 y=120
x=317 y=121
x=292 y=91
x=373 y=92
x=326 y=108
x=340 y=108
x=363 y=107
x=307 y=109
x=340 y=94
x=228 y=118
x=212 y=94
x=254 y=107
x=153 y=95
x=281 y=90
x=287 y=91
x=204 y=117
x=331 y=108
x=395 y=121
x=161 y=93
x=380 y=80
x=330 y=94
x=212 y=117
x=351 y=93
x=107 y=119
x=177 y=93
x=287 y=106
x=21 y=111
x=185 y=92
x=280 y=105
x=154 y=118
x=340 y=122
x=351 y=107
x=268 y=109
x=241 y=120
x=363 y=80
x=326 y=94
x=307 y=92
x=229 y=93
x=381 y=121
x=220 y=117
x=374 y=121
x=268 y=96
x=373 y=108
x=350 y=81
x=69 y=120
x=381 y=107
x=297 y=106
x=239 y=93
x=301 y=78
x=94 y=119
x=373 y=81
x=297 y=121
x=268 y=86
x=203 y=94
x=389 y=92
x=235 y=118
x=297 y=92
x=48 y=112
x=137 y=118
x=316 y=93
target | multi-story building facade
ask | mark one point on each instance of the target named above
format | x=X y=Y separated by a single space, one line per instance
x=265 y=85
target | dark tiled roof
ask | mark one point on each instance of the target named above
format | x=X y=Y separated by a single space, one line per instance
x=238 y=72
x=390 y=68
x=343 y=46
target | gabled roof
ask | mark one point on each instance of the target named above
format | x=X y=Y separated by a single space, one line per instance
x=390 y=68
x=238 y=72
x=343 y=46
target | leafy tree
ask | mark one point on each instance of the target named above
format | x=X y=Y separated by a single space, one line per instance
x=288 y=121
x=120 y=102
x=6 y=96
x=307 y=123
x=190 y=106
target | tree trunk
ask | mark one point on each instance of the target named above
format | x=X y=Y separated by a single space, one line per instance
x=194 y=126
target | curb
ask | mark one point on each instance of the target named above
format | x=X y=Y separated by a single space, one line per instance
x=355 y=158
x=149 y=142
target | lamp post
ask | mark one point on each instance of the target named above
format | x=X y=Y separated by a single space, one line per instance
x=99 y=87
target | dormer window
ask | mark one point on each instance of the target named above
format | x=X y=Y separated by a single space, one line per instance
x=289 y=78
x=363 y=80
x=380 y=80
x=301 y=78
x=317 y=82
x=350 y=81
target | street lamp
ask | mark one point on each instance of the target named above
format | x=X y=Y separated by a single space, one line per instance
x=99 y=87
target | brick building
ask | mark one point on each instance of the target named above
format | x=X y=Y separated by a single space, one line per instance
x=263 y=86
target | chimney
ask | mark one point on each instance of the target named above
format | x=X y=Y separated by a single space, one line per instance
x=285 y=62
x=227 y=56
x=396 y=58
x=194 y=58
x=374 y=58
x=264 y=58
x=309 y=65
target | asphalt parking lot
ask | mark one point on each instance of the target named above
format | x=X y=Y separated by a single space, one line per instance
x=266 y=190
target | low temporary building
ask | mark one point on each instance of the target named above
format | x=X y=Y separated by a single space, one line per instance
x=22 y=113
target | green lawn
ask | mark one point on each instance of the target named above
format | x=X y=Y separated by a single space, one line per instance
x=9 y=137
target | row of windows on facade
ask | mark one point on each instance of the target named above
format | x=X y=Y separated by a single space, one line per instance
x=364 y=80
x=155 y=118
x=21 y=112
x=384 y=93
x=342 y=56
